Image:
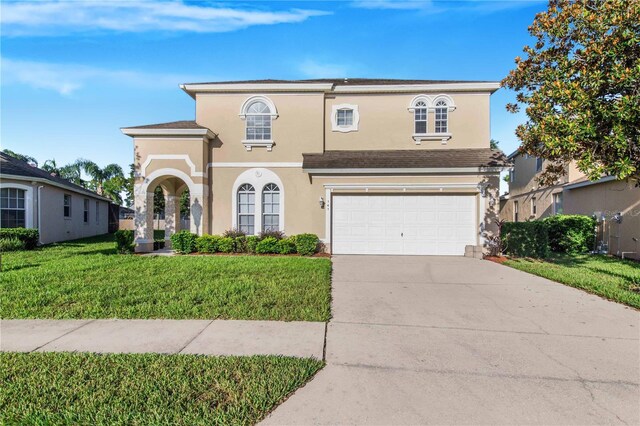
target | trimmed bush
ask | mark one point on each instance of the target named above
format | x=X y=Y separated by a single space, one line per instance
x=240 y=244
x=124 y=241
x=252 y=243
x=234 y=233
x=207 y=243
x=526 y=239
x=225 y=245
x=28 y=236
x=306 y=244
x=278 y=235
x=267 y=246
x=11 y=244
x=286 y=246
x=570 y=233
x=184 y=242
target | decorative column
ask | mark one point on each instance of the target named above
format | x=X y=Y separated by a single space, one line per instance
x=171 y=217
x=143 y=222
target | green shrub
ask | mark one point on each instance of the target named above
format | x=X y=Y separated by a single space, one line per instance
x=240 y=244
x=11 y=244
x=278 y=235
x=124 y=241
x=570 y=233
x=306 y=244
x=28 y=236
x=267 y=246
x=252 y=243
x=207 y=243
x=184 y=242
x=526 y=239
x=286 y=246
x=225 y=245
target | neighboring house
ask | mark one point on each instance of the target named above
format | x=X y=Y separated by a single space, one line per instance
x=32 y=198
x=616 y=204
x=370 y=166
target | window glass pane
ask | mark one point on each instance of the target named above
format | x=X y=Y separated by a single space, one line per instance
x=421 y=127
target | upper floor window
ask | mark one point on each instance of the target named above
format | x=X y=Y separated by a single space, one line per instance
x=258 y=112
x=344 y=118
x=271 y=207
x=420 y=118
x=442 y=111
x=67 y=205
x=557 y=203
x=12 y=208
x=246 y=208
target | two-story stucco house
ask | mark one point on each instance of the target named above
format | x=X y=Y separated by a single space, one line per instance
x=615 y=204
x=370 y=166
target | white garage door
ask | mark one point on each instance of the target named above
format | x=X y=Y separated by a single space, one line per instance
x=403 y=224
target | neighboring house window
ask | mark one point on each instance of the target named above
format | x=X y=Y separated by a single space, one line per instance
x=538 y=164
x=271 y=207
x=12 y=208
x=67 y=205
x=344 y=118
x=557 y=203
x=85 y=217
x=534 y=206
x=441 y=116
x=246 y=208
x=420 y=117
x=512 y=176
x=258 y=122
x=515 y=211
x=97 y=212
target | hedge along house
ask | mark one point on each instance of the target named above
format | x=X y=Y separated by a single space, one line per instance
x=32 y=198
x=370 y=166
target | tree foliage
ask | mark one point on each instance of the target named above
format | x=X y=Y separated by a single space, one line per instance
x=580 y=84
x=21 y=157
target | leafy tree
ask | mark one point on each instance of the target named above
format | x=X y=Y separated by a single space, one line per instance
x=493 y=144
x=128 y=186
x=580 y=84
x=185 y=206
x=107 y=181
x=21 y=157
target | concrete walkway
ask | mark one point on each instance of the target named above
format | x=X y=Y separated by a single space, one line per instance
x=445 y=340
x=219 y=337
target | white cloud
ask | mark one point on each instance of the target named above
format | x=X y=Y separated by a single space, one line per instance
x=313 y=69
x=65 y=17
x=68 y=78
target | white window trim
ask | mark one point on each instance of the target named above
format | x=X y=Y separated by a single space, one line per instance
x=258 y=177
x=250 y=143
x=28 y=201
x=334 y=118
x=430 y=102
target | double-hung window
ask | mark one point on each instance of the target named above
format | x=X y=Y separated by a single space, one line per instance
x=344 y=117
x=85 y=216
x=258 y=122
x=441 y=122
x=67 y=205
x=271 y=207
x=12 y=208
x=246 y=208
x=420 y=117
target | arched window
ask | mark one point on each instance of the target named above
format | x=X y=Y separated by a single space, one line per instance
x=246 y=208
x=271 y=208
x=441 y=122
x=258 y=118
x=12 y=208
x=420 y=117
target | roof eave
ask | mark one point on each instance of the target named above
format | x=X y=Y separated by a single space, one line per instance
x=193 y=89
x=205 y=133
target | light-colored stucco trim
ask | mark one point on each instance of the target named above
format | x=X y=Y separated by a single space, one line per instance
x=245 y=165
x=258 y=178
x=205 y=133
x=411 y=170
x=192 y=89
x=353 y=127
x=185 y=157
x=452 y=87
x=56 y=184
x=28 y=200
x=273 y=111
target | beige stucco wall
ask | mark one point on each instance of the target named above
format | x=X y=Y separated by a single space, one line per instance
x=609 y=198
x=55 y=227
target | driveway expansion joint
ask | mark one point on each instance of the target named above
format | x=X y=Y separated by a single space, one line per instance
x=63 y=335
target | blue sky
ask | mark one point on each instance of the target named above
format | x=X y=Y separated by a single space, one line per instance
x=74 y=72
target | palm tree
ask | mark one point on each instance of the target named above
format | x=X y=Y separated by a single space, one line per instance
x=50 y=166
x=21 y=157
x=107 y=181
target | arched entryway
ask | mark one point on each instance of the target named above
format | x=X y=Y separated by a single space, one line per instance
x=173 y=183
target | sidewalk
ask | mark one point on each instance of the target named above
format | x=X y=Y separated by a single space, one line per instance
x=216 y=337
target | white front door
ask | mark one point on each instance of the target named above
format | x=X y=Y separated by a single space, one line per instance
x=403 y=224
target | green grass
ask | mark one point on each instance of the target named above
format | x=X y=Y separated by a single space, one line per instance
x=87 y=279
x=609 y=277
x=137 y=389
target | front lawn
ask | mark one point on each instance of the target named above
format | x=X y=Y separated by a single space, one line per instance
x=87 y=279
x=609 y=277
x=125 y=389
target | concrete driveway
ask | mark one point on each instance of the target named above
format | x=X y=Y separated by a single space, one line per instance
x=447 y=340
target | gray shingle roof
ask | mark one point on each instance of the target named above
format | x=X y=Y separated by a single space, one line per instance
x=183 y=124
x=347 y=82
x=410 y=159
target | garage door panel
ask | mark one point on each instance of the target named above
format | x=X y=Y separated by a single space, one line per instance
x=403 y=224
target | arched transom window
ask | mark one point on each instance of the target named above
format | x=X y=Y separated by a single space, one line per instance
x=271 y=208
x=246 y=208
x=420 y=117
x=441 y=122
x=258 y=118
x=12 y=208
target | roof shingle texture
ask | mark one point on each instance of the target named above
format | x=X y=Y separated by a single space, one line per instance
x=13 y=166
x=347 y=81
x=183 y=124
x=399 y=159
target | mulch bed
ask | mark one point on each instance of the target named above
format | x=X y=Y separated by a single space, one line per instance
x=497 y=259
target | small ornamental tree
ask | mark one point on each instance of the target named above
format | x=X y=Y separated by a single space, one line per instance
x=580 y=85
